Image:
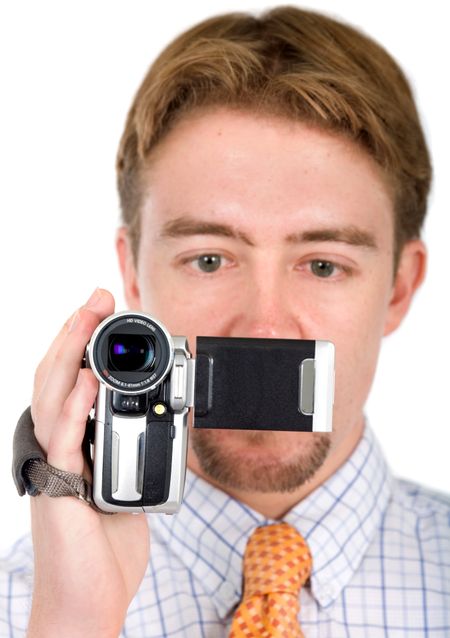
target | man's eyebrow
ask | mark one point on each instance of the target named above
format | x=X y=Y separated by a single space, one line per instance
x=185 y=226
x=347 y=235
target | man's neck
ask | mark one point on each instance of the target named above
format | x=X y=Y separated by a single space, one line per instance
x=274 y=505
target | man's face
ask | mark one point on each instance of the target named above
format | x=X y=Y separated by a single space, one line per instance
x=262 y=227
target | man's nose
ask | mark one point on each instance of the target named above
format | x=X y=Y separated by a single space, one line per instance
x=267 y=309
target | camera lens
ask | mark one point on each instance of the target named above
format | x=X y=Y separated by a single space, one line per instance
x=130 y=353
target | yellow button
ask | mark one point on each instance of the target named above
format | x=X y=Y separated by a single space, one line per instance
x=159 y=409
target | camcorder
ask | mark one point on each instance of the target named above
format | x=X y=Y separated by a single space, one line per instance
x=149 y=382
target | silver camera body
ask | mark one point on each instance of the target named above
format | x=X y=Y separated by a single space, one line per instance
x=140 y=440
x=149 y=382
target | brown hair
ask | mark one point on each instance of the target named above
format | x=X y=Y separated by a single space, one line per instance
x=292 y=63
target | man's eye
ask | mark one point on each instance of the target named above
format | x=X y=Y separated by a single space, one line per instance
x=322 y=268
x=207 y=263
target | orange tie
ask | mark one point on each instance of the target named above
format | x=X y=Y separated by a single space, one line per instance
x=277 y=562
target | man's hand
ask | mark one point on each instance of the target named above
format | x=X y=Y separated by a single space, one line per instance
x=88 y=566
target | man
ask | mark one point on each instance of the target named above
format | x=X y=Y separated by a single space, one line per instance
x=273 y=178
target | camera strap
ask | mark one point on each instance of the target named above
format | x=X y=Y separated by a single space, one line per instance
x=33 y=475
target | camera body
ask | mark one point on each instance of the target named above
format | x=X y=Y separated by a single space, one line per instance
x=146 y=389
x=149 y=382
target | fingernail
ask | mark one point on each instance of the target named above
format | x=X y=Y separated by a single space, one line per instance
x=94 y=298
x=74 y=321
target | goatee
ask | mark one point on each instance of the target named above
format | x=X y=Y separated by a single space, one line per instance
x=254 y=473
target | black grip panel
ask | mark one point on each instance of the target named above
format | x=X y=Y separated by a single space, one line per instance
x=158 y=463
x=250 y=384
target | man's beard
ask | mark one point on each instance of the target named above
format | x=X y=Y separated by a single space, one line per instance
x=253 y=474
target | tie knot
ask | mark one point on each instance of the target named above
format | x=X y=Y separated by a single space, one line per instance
x=277 y=559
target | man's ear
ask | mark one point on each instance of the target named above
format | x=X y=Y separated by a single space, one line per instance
x=128 y=269
x=410 y=274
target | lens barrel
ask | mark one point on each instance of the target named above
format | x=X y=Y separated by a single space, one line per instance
x=130 y=352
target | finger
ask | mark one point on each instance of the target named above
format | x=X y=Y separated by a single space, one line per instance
x=63 y=373
x=101 y=303
x=64 y=446
x=43 y=367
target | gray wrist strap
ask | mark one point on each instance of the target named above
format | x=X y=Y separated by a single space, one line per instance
x=53 y=482
x=32 y=473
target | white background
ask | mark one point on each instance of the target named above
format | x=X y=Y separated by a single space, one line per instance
x=69 y=71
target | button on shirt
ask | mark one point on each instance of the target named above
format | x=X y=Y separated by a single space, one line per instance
x=380 y=547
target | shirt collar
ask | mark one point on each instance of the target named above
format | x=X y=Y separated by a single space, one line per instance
x=338 y=520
